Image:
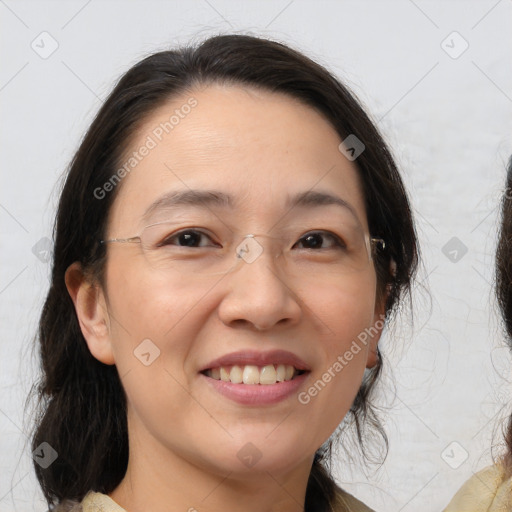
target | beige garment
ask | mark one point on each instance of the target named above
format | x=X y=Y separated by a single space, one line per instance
x=98 y=502
x=486 y=491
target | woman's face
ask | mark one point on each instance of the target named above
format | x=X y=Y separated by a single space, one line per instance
x=175 y=331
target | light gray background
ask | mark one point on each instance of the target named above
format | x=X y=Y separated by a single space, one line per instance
x=448 y=122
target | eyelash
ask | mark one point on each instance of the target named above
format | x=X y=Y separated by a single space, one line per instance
x=335 y=238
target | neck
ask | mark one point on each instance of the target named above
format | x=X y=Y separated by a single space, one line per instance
x=161 y=480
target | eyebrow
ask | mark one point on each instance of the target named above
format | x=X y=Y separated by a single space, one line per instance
x=206 y=199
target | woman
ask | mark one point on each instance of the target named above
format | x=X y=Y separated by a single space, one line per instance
x=490 y=489
x=231 y=235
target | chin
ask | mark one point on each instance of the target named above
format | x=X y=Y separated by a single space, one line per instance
x=260 y=453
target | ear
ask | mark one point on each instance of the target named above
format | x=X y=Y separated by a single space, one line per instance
x=379 y=320
x=376 y=332
x=91 y=310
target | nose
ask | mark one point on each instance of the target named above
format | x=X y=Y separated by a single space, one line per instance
x=259 y=296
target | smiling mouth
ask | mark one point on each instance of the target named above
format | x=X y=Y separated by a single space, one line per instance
x=252 y=374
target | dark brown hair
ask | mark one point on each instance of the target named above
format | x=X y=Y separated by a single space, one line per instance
x=82 y=406
x=504 y=285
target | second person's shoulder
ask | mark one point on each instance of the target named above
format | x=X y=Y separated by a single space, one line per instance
x=486 y=491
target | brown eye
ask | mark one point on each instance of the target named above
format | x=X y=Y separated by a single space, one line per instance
x=185 y=238
x=315 y=240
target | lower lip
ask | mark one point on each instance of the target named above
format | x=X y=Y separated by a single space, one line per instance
x=257 y=394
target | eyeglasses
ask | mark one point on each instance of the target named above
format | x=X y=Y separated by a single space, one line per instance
x=195 y=251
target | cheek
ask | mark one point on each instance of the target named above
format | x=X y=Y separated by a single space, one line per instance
x=346 y=312
x=144 y=306
x=146 y=299
x=153 y=328
x=343 y=307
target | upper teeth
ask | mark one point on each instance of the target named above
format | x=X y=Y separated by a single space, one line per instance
x=251 y=374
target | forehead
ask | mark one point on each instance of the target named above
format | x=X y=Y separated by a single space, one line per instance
x=257 y=146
